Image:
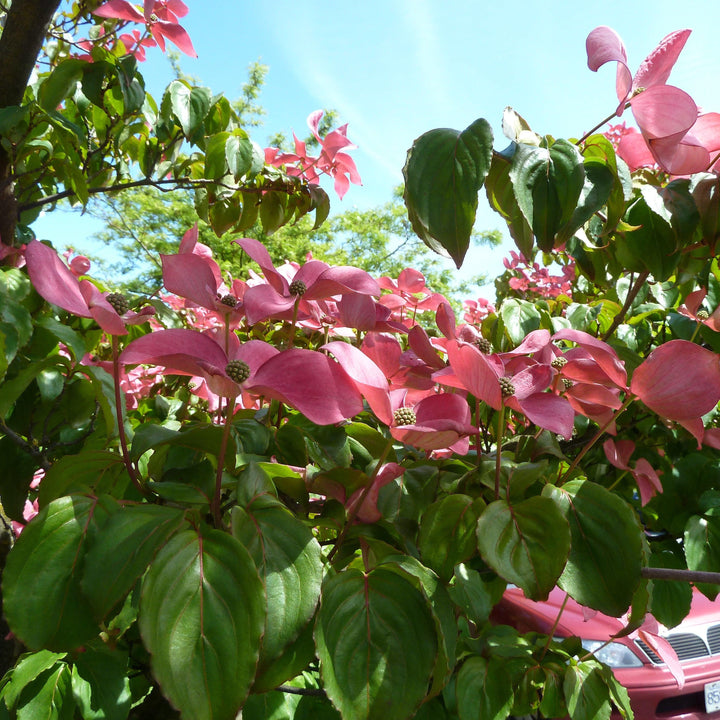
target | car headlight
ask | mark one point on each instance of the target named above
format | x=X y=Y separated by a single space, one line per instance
x=615 y=655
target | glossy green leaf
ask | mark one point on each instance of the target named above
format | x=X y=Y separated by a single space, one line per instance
x=526 y=543
x=43 y=599
x=447 y=532
x=61 y=83
x=100 y=684
x=484 y=689
x=190 y=105
x=603 y=569
x=444 y=172
x=650 y=245
x=501 y=196
x=547 y=184
x=366 y=624
x=586 y=693
x=215 y=160
x=123 y=550
x=27 y=668
x=201 y=618
x=702 y=545
x=239 y=154
x=474 y=594
x=49 y=696
x=289 y=560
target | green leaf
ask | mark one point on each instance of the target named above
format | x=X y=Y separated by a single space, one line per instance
x=651 y=243
x=61 y=83
x=44 y=602
x=27 y=668
x=239 y=153
x=501 y=196
x=547 y=184
x=447 y=532
x=702 y=545
x=484 y=689
x=11 y=390
x=365 y=626
x=215 y=162
x=586 y=692
x=49 y=696
x=444 y=172
x=97 y=470
x=189 y=105
x=521 y=317
x=100 y=684
x=476 y=596
x=122 y=552
x=201 y=618
x=526 y=543
x=603 y=569
x=289 y=560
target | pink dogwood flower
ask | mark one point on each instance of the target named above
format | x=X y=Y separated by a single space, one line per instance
x=315 y=280
x=159 y=16
x=692 y=308
x=57 y=283
x=618 y=453
x=308 y=381
x=680 y=140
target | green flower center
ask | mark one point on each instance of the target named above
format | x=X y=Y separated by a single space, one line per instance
x=229 y=300
x=238 y=371
x=484 y=345
x=702 y=315
x=404 y=416
x=559 y=363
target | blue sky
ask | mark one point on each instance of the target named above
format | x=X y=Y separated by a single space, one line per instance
x=394 y=69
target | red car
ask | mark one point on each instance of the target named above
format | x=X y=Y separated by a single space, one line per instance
x=654 y=692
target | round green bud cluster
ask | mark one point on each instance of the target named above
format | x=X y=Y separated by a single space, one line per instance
x=559 y=362
x=702 y=315
x=229 y=300
x=238 y=370
x=404 y=416
x=567 y=383
x=484 y=345
x=118 y=302
x=298 y=288
x=506 y=387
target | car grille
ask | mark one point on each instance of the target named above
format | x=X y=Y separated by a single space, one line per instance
x=700 y=643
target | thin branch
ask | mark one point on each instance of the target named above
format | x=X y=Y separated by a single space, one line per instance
x=694 y=576
x=315 y=692
x=632 y=294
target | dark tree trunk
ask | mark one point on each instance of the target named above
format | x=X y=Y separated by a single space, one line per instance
x=20 y=43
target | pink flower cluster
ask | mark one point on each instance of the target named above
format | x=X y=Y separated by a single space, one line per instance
x=160 y=19
x=673 y=134
x=332 y=159
x=536 y=280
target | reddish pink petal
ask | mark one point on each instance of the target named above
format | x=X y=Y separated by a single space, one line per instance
x=549 y=411
x=600 y=351
x=633 y=149
x=656 y=68
x=262 y=302
x=311 y=383
x=693 y=302
x=368 y=512
x=101 y=310
x=678 y=380
x=476 y=373
x=384 y=351
x=313 y=122
x=120 y=9
x=357 y=311
x=189 y=240
x=683 y=158
x=341 y=184
x=706 y=131
x=177 y=7
x=54 y=280
x=534 y=341
x=595 y=394
x=647 y=480
x=339 y=281
x=618 y=452
x=80 y=265
x=604 y=45
x=711 y=438
x=664 y=111
x=257 y=252
x=695 y=427
x=175 y=34
x=181 y=351
x=420 y=344
x=445 y=320
x=411 y=281
x=664 y=650
x=190 y=276
x=368 y=377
